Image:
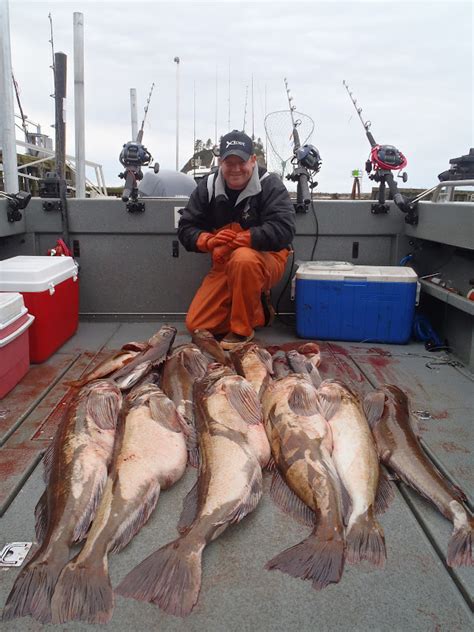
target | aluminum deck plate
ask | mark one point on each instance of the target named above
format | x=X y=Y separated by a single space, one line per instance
x=416 y=590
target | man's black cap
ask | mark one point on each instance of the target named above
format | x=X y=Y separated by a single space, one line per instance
x=236 y=143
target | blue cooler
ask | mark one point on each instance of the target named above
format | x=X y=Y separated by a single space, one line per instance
x=336 y=300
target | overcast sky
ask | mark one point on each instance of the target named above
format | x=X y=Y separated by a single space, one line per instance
x=408 y=64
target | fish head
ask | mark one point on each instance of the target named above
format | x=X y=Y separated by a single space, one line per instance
x=312 y=352
x=280 y=364
x=165 y=332
x=253 y=363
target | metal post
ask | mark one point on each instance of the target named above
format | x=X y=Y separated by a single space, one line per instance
x=60 y=72
x=176 y=59
x=7 y=112
x=133 y=110
x=78 y=20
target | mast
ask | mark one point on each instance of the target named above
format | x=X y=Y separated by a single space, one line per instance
x=7 y=112
x=78 y=21
x=176 y=60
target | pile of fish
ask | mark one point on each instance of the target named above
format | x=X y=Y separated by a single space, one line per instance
x=138 y=418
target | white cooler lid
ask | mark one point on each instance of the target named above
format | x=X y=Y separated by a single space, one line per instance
x=12 y=307
x=35 y=274
x=343 y=270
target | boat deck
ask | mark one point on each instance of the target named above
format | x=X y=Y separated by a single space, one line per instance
x=416 y=590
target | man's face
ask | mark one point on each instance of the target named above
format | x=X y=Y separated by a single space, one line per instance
x=237 y=172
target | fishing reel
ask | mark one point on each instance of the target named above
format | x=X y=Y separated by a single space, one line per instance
x=309 y=158
x=16 y=203
x=133 y=157
x=386 y=158
x=306 y=161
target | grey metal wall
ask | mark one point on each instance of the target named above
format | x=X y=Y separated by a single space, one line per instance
x=127 y=267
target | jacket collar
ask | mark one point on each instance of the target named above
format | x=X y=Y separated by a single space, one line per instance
x=253 y=186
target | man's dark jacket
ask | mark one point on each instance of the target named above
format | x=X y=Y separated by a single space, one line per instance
x=264 y=207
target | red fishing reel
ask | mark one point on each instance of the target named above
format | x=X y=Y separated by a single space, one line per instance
x=386 y=158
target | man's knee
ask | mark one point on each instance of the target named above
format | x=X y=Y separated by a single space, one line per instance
x=244 y=257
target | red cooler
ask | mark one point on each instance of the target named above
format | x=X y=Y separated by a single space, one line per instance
x=50 y=290
x=14 y=348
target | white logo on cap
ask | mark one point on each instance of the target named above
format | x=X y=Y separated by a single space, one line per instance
x=229 y=143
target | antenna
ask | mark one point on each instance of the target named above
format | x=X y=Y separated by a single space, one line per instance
x=140 y=133
x=228 y=120
x=215 y=120
x=253 y=117
x=245 y=107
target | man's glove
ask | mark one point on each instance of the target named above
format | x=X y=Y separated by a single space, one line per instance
x=206 y=242
x=242 y=240
x=221 y=254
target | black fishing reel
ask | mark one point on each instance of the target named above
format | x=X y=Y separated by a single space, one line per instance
x=306 y=162
x=133 y=157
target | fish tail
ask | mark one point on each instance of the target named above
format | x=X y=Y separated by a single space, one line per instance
x=170 y=577
x=320 y=560
x=365 y=541
x=83 y=593
x=460 y=545
x=33 y=588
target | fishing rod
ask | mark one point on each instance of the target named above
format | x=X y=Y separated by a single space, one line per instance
x=382 y=161
x=306 y=162
x=134 y=156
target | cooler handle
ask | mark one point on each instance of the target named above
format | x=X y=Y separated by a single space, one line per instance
x=355 y=278
x=51 y=288
x=18 y=332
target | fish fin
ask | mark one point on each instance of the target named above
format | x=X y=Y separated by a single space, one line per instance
x=33 y=588
x=271 y=465
x=460 y=545
x=169 y=577
x=317 y=559
x=83 y=593
x=346 y=503
x=190 y=509
x=104 y=407
x=265 y=358
x=41 y=517
x=365 y=541
x=249 y=499
x=329 y=403
x=135 y=520
x=136 y=373
x=374 y=404
x=85 y=520
x=48 y=460
x=315 y=376
x=193 y=456
x=385 y=493
x=195 y=363
x=244 y=400
x=303 y=399
x=163 y=410
x=288 y=501
x=135 y=346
